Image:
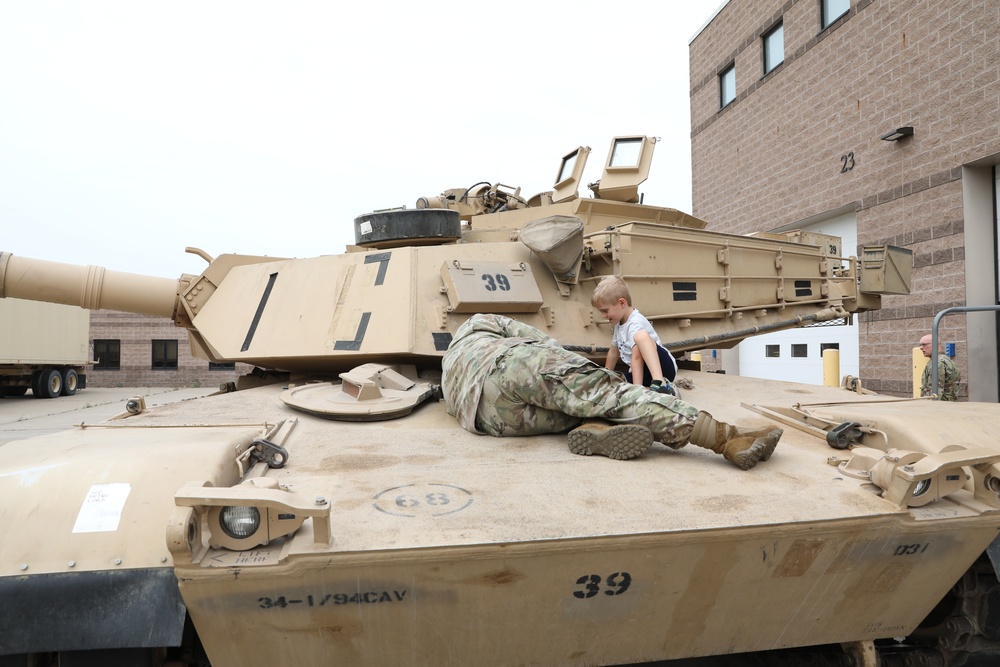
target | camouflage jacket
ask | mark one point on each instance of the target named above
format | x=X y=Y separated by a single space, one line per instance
x=473 y=355
x=948 y=378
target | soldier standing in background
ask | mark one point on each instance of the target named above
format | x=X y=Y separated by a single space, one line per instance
x=505 y=378
x=948 y=375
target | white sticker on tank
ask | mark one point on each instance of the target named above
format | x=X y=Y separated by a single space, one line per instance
x=102 y=508
x=366 y=228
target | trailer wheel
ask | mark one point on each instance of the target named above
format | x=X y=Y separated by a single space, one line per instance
x=50 y=384
x=70 y=381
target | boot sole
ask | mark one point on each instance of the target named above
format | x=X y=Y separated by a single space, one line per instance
x=761 y=450
x=621 y=442
x=773 y=437
x=748 y=458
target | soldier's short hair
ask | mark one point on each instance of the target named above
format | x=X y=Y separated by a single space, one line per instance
x=609 y=290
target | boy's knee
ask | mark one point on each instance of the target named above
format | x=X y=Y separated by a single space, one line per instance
x=639 y=341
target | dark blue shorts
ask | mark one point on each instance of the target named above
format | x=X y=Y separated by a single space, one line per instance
x=667 y=363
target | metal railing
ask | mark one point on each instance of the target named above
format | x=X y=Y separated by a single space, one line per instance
x=934 y=336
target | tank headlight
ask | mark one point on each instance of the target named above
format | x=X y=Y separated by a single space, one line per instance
x=252 y=513
x=913 y=479
x=922 y=487
x=239 y=522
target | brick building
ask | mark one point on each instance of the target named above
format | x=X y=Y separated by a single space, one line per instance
x=147 y=351
x=794 y=110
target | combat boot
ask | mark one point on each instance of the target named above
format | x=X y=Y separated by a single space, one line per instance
x=616 y=441
x=743 y=447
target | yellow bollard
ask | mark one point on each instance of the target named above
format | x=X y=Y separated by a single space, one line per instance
x=696 y=357
x=831 y=367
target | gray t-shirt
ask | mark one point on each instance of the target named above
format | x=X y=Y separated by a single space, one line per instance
x=623 y=336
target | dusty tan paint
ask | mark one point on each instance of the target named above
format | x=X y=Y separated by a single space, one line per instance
x=703 y=543
x=442 y=544
x=53 y=479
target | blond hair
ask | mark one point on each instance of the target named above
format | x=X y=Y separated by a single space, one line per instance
x=609 y=290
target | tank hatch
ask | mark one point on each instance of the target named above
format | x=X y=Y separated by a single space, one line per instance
x=567 y=184
x=626 y=169
x=371 y=392
x=407 y=227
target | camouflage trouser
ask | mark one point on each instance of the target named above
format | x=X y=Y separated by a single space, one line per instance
x=539 y=389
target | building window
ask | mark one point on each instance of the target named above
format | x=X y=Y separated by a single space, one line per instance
x=108 y=355
x=774 y=47
x=164 y=355
x=833 y=10
x=823 y=347
x=727 y=86
x=800 y=350
x=222 y=366
x=772 y=350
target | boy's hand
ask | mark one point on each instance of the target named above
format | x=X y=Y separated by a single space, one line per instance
x=664 y=387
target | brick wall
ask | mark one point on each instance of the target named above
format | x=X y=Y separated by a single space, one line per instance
x=136 y=333
x=777 y=154
x=929 y=223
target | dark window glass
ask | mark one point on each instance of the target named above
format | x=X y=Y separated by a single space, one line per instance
x=828 y=346
x=772 y=350
x=800 y=350
x=222 y=366
x=727 y=86
x=164 y=354
x=108 y=355
x=774 y=48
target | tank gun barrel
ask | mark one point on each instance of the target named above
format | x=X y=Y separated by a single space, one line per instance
x=89 y=287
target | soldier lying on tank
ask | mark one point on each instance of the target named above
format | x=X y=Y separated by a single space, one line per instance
x=506 y=378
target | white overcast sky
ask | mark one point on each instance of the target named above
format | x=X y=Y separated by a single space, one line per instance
x=129 y=130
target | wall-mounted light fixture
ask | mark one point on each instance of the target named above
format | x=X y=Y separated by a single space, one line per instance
x=898 y=133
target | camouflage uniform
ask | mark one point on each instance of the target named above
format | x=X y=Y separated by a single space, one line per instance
x=948 y=378
x=506 y=378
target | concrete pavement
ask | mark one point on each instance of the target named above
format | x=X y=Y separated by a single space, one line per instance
x=26 y=416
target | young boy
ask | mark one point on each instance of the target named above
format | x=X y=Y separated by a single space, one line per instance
x=634 y=340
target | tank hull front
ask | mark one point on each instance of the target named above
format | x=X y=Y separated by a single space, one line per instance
x=601 y=601
x=447 y=545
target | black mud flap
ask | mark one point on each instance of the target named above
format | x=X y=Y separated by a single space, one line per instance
x=90 y=610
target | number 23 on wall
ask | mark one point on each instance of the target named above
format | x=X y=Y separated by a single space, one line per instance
x=846 y=162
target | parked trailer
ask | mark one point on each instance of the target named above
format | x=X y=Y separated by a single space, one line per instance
x=43 y=347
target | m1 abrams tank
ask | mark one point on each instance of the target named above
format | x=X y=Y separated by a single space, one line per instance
x=325 y=509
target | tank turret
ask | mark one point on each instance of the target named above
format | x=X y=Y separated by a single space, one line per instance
x=416 y=274
x=276 y=524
